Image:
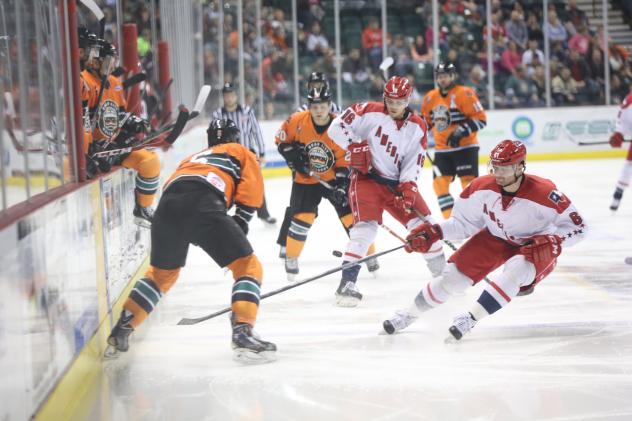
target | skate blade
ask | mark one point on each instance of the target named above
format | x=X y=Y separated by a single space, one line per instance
x=143 y=223
x=249 y=357
x=451 y=340
x=111 y=353
x=291 y=277
x=347 y=301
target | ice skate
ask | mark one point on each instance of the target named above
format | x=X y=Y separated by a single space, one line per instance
x=373 y=265
x=291 y=268
x=250 y=349
x=143 y=216
x=118 y=341
x=347 y=294
x=463 y=323
x=268 y=220
x=282 y=252
x=616 y=199
x=401 y=320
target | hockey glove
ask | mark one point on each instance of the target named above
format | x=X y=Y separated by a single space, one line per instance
x=135 y=125
x=360 y=156
x=341 y=186
x=542 y=248
x=454 y=140
x=616 y=140
x=406 y=199
x=423 y=237
x=243 y=216
x=295 y=156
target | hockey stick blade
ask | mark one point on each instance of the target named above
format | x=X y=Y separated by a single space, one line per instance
x=201 y=99
x=186 y=322
x=183 y=118
x=384 y=66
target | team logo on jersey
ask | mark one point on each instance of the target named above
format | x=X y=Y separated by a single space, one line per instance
x=556 y=197
x=108 y=118
x=321 y=158
x=441 y=117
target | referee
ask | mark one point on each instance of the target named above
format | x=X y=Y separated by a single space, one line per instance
x=251 y=137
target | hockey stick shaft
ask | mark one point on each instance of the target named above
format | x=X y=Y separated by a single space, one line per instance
x=601 y=142
x=186 y=321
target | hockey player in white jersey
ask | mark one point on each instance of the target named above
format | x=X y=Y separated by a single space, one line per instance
x=623 y=127
x=511 y=218
x=386 y=144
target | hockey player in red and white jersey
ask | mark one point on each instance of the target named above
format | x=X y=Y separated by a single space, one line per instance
x=386 y=144
x=623 y=127
x=511 y=218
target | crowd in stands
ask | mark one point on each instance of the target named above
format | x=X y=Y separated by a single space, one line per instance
x=518 y=28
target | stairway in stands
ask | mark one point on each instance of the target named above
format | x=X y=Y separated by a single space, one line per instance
x=620 y=30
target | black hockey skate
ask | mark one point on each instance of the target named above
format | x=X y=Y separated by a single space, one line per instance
x=118 y=341
x=616 y=199
x=347 y=294
x=373 y=265
x=250 y=349
x=143 y=216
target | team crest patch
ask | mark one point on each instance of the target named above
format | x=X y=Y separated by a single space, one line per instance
x=556 y=197
x=321 y=158
x=441 y=117
x=108 y=118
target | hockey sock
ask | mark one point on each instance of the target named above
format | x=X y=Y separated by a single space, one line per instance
x=466 y=180
x=247 y=273
x=146 y=189
x=142 y=300
x=441 y=186
x=297 y=234
x=350 y=273
x=625 y=176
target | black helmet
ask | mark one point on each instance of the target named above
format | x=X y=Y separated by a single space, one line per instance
x=445 y=67
x=107 y=49
x=222 y=131
x=319 y=95
x=86 y=37
x=317 y=77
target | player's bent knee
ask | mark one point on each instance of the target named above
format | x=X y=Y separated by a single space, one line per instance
x=163 y=278
x=364 y=231
x=518 y=271
x=453 y=281
x=247 y=266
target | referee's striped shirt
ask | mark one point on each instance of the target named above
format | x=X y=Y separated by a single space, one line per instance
x=249 y=131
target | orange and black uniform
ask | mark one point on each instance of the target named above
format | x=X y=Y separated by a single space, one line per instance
x=324 y=157
x=108 y=113
x=192 y=210
x=458 y=109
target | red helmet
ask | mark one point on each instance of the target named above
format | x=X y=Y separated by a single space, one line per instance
x=397 y=87
x=508 y=152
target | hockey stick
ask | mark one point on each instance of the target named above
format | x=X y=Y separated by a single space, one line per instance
x=175 y=129
x=601 y=142
x=98 y=13
x=186 y=321
x=384 y=66
x=133 y=80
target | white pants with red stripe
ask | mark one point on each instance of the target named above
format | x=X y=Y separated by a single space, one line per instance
x=625 y=176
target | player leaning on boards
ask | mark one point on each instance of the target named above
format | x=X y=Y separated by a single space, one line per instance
x=623 y=127
x=510 y=218
x=192 y=210
x=311 y=155
x=386 y=142
x=111 y=125
x=455 y=115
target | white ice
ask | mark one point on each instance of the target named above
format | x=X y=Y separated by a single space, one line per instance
x=562 y=353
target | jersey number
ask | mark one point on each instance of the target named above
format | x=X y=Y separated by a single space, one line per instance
x=577 y=220
x=348 y=117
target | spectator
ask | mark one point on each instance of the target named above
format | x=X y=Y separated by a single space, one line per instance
x=520 y=91
x=574 y=15
x=580 y=41
x=401 y=53
x=415 y=97
x=355 y=69
x=532 y=53
x=555 y=29
x=510 y=58
x=498 y=30
x=476 y=81
x=564 y=88
x=516 y=29
x=534 y=28
x=596 y=66
x=372 y=42
x=317 y=43
x=420 y=51
x=539 y=81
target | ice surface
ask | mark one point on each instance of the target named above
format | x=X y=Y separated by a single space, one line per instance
x=562 y=353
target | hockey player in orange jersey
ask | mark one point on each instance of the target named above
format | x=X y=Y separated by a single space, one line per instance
x=192 y=210
x=455 y=115
x=112 y=125
x=309 y=151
